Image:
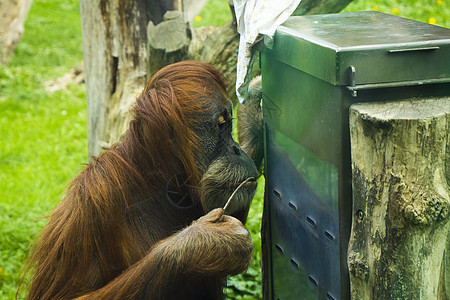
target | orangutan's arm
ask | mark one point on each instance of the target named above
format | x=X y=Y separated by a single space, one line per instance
x=215 y=245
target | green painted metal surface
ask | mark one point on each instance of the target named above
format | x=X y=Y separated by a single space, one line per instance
x=381 y=47
x=318 y=66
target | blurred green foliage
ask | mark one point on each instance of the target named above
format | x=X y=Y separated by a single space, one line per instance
x=42 y=134
x=436 y=12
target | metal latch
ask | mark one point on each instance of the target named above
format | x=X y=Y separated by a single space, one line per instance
x=352 y=86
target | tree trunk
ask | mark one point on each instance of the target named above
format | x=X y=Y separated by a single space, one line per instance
x=13 y=14
x=399 y=244
x=125 y=42
x=114 y=35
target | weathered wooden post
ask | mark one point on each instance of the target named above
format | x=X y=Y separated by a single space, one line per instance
x=401 y=170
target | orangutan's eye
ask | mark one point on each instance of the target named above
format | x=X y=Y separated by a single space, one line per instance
x=222 y=120
x=225 y=123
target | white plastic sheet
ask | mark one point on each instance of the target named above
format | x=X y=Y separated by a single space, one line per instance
x=256 y=19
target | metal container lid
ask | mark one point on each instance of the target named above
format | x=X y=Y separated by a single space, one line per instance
x=378 y=47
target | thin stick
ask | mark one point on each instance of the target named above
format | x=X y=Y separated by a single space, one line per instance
x=231 y=197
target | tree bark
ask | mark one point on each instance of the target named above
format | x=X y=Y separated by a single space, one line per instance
x=114 y=35
x=125 y=42
x=399 y=244
x=13 y=14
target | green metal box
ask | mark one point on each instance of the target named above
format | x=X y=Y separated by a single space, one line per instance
x=318 y=66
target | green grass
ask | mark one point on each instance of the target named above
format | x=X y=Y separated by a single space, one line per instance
x=43 y=135
x=428 y=11
x=216 y=12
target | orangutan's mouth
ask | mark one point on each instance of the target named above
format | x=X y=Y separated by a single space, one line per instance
x=252 y=183
x=249 y=183
x=249 y=180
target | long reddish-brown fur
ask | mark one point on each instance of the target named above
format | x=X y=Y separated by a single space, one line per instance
x=114 y=213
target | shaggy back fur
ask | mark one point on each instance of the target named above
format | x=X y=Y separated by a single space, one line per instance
x=115 y=210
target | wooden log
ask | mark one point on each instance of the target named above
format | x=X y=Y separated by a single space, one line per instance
x=114 y=47
x=399 y=244
x=13 y=14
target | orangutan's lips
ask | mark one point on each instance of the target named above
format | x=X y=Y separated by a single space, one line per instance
x=250 y=183
x=251 y=180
